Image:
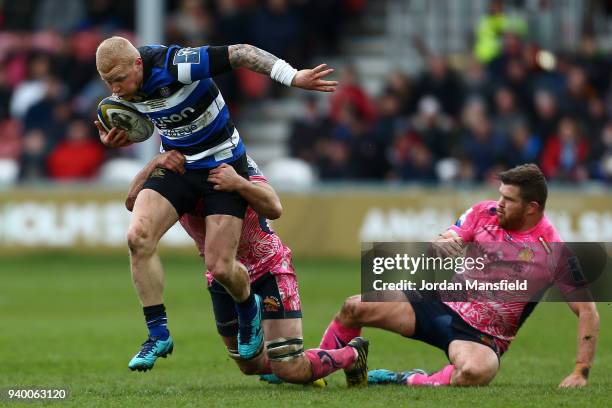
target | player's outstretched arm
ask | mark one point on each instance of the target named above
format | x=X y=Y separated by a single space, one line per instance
x=261 y=196
x=588 y=331
x=257 y=60
x=171 y=160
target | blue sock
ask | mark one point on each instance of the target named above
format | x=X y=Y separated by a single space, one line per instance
x=247 y=310
x=157 y=322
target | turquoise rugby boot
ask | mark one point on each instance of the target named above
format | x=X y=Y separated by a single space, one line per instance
x=250 y=334
x=384 y=377
x=151 y=349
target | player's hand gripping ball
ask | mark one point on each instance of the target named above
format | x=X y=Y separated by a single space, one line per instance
x=113 y=112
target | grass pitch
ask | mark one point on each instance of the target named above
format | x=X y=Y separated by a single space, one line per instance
x=73 y=321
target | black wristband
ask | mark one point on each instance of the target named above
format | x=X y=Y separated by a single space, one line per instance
x=218 y=58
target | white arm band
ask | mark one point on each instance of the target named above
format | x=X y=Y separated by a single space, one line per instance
x=283 y=72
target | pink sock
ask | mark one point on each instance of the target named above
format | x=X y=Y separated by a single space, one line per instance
x=442 y=377
x=337 y=336
x=325 y=362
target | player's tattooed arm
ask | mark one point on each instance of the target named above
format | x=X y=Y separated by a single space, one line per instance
x=252 y=58
x=588 y=331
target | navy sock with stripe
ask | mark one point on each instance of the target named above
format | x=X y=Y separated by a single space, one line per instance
x=157 y=322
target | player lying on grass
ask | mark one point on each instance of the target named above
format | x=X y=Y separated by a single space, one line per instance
x=475 y=335
x=272 y=277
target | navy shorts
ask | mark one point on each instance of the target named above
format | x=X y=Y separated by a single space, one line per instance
x=438 y=325
x=184 y=191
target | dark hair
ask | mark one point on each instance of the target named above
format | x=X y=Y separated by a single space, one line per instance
x=531 y=181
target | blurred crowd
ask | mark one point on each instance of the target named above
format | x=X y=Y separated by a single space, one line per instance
x=509 y=103
x=49 y=86
x=458 y=120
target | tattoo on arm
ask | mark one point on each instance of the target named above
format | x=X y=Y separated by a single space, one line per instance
x=252 y=58
x=587 y=337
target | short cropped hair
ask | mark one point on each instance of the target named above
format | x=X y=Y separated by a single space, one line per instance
x=531 y=181
x=115 y=51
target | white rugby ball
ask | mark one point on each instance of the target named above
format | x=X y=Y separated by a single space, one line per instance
x=113 y=112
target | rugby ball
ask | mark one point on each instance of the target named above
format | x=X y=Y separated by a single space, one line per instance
x=113 y=112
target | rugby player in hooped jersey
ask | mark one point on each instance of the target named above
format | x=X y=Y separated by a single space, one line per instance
x=172 y=86
x=474 y=335
x=271 y=276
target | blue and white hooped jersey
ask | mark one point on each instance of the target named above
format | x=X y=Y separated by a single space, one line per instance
x=185 y=105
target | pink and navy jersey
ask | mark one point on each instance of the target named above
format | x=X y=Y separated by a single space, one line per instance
x=510 y=253
x=259 y=249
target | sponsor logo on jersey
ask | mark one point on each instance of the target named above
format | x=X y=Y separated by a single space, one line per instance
x=163 y=121
x=187 y=56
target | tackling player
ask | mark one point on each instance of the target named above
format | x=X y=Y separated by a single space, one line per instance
x=271 y=276
x=475 y=335
x=172 y=86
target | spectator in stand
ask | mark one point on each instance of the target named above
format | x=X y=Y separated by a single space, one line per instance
x=79 y=156
x=33 y=156
x=443 y=83
x=524 y=146
x=351 y=93
x=11 y=139
x=31 y=91
x=547 y=115
x=482 y=145
x=336 y=152
x=596 y=120
x=399 y=85
x=191 y=25
x=564 y=157
x=518 y=81
x=507 y=114
x=476 y=81
x=61 y=16
x=433 y=128
x=575 y=100
x=276 y=28
x=600 y=161
x=308 y=130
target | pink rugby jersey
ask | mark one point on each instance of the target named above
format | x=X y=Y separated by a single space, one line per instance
x=259 y=249
x=529 y=252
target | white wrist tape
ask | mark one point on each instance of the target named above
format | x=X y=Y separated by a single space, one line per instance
x=283 y=72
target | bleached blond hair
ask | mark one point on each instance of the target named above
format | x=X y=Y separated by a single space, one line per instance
x=115 y=52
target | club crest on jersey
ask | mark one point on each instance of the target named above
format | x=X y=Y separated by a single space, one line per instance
x=187 y=56
x=158 y=172
x=165 y=92
x=271 y=304
x=526 y=254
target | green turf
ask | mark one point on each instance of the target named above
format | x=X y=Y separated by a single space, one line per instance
x=73 y=321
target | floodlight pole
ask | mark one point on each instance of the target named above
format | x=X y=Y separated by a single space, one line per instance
x=150 y=26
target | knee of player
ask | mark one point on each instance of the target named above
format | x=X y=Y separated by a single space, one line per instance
x=472 y=374
x=219 y=265
x=350 y=313
x=138 y=238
